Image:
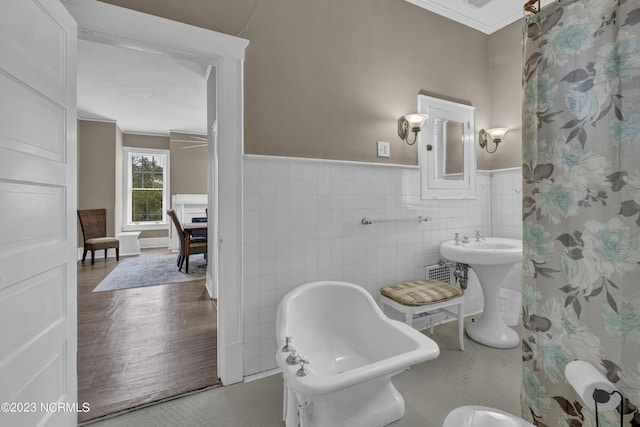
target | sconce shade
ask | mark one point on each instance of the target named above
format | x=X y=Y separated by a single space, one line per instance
x=416 y=120
x=411 y=122
x=497 y=133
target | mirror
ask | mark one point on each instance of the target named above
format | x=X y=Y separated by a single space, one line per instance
x=449 y=165
x=447 y=149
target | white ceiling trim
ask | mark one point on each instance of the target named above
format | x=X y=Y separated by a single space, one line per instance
x=488 y=19
x=458 y=16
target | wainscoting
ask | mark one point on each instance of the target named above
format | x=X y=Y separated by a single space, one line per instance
x=137 y=346
x=302 y=223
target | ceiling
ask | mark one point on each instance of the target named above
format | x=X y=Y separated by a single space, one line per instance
x=487 y=16
x=152 y=94
x=143 y=92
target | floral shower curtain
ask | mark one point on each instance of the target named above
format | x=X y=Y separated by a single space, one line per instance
x=581 y=206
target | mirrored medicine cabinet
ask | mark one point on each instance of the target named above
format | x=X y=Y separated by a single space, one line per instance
x=446 y=149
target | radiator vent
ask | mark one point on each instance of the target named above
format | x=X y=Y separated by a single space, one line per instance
x=442 y=273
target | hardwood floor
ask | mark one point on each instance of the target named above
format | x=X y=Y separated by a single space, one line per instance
x=137 y=346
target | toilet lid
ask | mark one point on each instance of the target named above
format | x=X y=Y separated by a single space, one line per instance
x=493 y=419
x=481 y=416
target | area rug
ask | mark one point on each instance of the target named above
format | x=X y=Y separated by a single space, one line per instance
x=151 y=270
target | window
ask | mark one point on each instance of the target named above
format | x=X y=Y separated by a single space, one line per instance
x=146 y=188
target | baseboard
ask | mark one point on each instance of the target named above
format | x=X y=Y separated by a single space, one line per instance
x=154 y=242
x=111 y=253
x=150 y=242
x=261 y=375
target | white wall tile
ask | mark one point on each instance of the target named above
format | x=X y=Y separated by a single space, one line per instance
x=302 y=223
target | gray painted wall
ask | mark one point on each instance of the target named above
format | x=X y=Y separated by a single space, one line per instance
x=328 y=79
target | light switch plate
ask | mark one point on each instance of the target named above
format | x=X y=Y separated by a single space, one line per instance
x=383 y=149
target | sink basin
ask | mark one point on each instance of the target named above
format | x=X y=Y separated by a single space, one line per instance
x=488 y=251
x=491 y=259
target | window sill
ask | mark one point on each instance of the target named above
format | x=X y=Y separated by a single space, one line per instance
x=142 y=227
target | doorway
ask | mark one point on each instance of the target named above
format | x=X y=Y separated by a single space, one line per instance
x=148 y=331
x=103 y=23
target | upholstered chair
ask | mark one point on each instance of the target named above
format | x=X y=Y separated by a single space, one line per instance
x=94 y=231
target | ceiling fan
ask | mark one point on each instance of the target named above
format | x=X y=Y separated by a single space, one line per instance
x=196 y=140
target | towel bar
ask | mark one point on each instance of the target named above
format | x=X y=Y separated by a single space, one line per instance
x=420 y=219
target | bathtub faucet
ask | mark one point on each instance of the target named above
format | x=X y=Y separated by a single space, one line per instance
x=287 y=347
x=293 y=358
x=302 y=372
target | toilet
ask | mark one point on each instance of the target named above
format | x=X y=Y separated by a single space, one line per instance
x=481 y=416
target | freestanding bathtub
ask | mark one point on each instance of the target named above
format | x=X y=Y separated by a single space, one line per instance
x=353 y=350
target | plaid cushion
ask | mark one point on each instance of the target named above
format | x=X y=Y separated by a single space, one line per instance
x=421 y=292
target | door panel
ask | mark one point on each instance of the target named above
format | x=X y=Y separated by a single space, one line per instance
x=41 y=44
x=19 y=132
x=38 y=185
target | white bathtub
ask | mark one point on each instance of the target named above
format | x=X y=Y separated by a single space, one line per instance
x=353 y=349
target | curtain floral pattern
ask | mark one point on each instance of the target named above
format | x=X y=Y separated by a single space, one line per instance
x=581 y=206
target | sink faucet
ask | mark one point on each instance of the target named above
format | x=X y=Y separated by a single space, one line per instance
x=478 y=236
x=457 y=238
x=465 y=239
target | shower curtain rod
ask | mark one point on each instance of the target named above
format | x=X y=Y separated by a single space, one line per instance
x=529 y=6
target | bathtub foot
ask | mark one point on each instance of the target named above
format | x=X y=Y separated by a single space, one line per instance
x=375 y=403
x=290 y=408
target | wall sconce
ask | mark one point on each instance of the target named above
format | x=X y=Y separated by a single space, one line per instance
x=413 y=121
x=496 y=135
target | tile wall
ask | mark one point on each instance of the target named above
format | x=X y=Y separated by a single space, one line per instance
x=302 y=222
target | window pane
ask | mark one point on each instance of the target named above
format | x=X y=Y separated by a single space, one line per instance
x=158 y=180
x=136 y=171
x=147 y=171
x=146 y=205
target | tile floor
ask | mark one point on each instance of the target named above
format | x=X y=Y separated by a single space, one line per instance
x=480 y=375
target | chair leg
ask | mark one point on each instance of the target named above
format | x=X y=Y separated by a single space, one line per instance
x=181 y=263
x=105 y=253
x=93 y=256
x=408 y=318
x=186 y=268
x=84 y=255
x=117 y=254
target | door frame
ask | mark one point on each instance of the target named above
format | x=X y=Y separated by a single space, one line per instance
x=117 y=26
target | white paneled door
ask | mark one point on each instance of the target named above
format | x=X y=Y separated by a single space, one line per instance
x=38 y=337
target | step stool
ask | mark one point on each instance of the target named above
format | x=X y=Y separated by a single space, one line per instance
x=425 y=296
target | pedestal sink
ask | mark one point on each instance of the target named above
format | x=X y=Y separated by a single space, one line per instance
x=491 y=259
